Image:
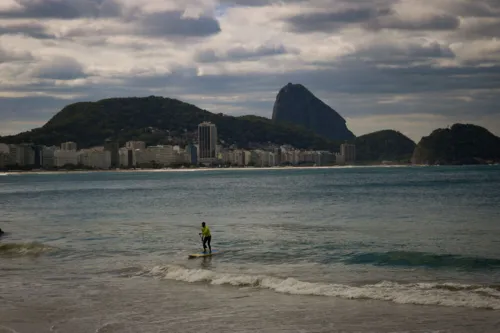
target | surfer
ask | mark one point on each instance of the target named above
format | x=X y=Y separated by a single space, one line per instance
x=1 y=232
x=206 y=237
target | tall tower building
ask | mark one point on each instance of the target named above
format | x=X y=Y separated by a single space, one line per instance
x=113 y=148
x=348 y=151
x=207 y=142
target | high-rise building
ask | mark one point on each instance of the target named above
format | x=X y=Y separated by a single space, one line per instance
x=22 y=154
x=192 y=154
x=38 y=156
x=4 y=155
x=207 y=142
x=348 y=151
x=113 y=148
x=48 y=157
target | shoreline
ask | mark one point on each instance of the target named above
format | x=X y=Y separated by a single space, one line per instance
x=47 y=172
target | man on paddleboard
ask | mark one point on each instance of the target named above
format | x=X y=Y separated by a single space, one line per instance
x=206 y=237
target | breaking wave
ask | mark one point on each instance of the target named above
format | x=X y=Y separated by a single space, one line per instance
x=24 y=249
x=442 y=294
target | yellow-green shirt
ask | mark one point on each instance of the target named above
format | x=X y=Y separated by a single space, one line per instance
x=205 y=231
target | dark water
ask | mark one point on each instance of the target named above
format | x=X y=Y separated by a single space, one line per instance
x=322 y=248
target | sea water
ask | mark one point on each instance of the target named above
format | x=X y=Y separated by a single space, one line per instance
x=360 y=249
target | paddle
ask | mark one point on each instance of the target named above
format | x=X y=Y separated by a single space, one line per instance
x=201 y=238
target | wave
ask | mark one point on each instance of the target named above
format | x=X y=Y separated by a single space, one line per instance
x=442 y=294
x=24 y=249
x=432 y=260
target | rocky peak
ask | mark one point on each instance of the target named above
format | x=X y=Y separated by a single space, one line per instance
x=295 y=104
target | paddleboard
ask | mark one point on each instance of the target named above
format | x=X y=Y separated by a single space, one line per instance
x=201 y=254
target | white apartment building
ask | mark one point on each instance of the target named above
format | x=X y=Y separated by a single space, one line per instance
x=48 y=156
x=144 y=156
x=97 y=158
x=273 y=160
x=4 y=160
x=134 y=145
x=22 y=154
x=68 y=146
x=241 y=157
x=290 y=156
x=4 y=155
x=165 y=155
x=339 y=159
x=238 y=157
x=64 y=157
x=4 y=149
x=126 y=157
x=325 y=158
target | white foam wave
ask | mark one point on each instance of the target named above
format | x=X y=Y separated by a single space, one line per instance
x=452 y=295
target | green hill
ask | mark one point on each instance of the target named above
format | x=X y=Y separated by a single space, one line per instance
x=385 y=145
x=460 y=144
x=153 y=120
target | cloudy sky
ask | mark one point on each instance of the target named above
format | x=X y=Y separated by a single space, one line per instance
x=409 y=65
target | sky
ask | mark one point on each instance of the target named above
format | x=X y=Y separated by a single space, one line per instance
x=407 y=65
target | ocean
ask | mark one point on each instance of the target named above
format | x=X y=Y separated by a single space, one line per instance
x=346 y=249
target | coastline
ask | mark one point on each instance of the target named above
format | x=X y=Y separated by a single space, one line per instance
x=57 y=172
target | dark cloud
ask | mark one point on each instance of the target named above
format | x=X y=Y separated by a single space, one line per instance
x=405 y=55
x=489 y=28
x=167 y=24
x=172 y=23
x=60 y=68
x=256 y=3
x=12 y=56
x=34 y=30
x=330 y=21
x=367 y=18
x=352 y=87
x=477 y=8
x=351 y=76
x=63 y=9
x=432 y=23
x=241 y=53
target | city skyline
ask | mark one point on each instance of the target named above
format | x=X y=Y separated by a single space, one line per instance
x=136 y=154
x=407 y=65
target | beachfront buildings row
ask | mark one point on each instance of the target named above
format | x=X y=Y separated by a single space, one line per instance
x=161 y=156
x=135 y=154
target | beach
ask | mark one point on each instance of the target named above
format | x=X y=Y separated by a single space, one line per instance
x=17 y=172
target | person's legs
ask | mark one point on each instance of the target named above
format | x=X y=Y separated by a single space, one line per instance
x=205 y=244
x=209 y=246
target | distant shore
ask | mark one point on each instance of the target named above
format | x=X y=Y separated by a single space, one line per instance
x=39 y=171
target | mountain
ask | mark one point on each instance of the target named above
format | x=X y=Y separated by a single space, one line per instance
x=297 y=105
x=385 y=145
x=460 y=144
x=154 y=119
